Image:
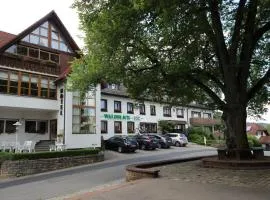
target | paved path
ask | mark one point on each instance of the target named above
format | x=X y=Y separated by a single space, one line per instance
x=68 y=181
x=187 y=181
x=164 y=189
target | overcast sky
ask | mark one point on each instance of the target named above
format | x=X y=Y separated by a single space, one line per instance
x=17 y=15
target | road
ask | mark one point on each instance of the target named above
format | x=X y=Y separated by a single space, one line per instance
x=83 y=178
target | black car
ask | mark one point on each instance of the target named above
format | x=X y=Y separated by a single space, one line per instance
x=146 y=142
x=163 y=142
x=122 y=144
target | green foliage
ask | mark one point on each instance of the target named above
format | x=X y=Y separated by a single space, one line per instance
x=179 y=51
x=165 y=126
x=253 y=141
x=40 y=155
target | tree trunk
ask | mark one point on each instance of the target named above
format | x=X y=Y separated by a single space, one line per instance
x=236 y=137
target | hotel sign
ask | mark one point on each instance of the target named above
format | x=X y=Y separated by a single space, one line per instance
x=121 y=117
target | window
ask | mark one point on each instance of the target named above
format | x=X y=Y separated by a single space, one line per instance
x=34 y=86
x=130 y=108
x=44 y=88
x=10 y=128
x=34 y=53
x=152 y=110
x=104 y=127
x=117 y=106
x=207 y=115
x=33 y=126
x=148 y=127
x=142 y=109
x=130 y=127
x=3 y=82
x=27 y=84
x=2 y=126
x=180 y=112
x=84 y=113
x=22 y=50
x=114 y=86
x=13 y=83
x=104 y=105
x=118 y=127
x=195 y=114
x=167 y=111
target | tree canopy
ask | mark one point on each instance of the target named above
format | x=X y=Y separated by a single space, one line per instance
x=211 y=51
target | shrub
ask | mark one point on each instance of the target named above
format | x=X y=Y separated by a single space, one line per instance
x=253 y=141
x=40 y=155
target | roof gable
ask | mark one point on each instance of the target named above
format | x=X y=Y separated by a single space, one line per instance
x=52 y=18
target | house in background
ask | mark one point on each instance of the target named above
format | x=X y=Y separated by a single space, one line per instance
x=33 y=69
x=256 y=130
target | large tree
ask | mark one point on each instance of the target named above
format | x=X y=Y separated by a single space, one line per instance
x=211 y=51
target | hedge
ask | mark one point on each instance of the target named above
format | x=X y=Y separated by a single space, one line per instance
x=40 y=155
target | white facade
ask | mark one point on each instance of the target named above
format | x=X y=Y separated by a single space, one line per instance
x=110 y=116
x=24 y=109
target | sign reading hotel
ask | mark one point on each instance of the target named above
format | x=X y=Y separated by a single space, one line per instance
x=121 y=117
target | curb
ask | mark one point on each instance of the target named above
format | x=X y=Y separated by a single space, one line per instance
x=141 y=170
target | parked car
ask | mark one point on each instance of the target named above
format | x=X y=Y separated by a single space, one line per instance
x=146 y=142
x=178 y=139
x=163 y=142
x=122 y=144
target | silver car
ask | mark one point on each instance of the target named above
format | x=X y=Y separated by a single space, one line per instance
x=178 y=139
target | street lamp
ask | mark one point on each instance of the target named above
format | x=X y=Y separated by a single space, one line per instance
x=17 y=124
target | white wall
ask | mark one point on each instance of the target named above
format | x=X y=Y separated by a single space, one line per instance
x=80 y=140
x=142 y=118
x=13 y=101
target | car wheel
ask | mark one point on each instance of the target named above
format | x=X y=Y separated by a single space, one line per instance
x=120 y=150
x=143 y=147
x=159 y=145
x=177 y=144
x=184 y=145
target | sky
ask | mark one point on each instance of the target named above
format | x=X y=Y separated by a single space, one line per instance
x=17 y=15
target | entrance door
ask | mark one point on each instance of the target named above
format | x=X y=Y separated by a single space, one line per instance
x=53 y=129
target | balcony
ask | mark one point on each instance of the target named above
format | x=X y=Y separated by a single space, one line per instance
x=204 y=121
x=24 y=102
x=29 y=64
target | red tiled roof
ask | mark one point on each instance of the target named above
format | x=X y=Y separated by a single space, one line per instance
x=5 y=38
x=265 y=140
x=253 y=128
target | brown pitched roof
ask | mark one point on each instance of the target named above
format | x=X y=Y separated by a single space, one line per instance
x=265 y=140
x=5 y=38
x=253 y=128
x=52 y=17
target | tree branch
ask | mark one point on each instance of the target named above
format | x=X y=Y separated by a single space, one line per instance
x=218 y=31
x=256 y=87
x=259 y=33
x=210 y=92
x=211 y=77
x=236 y=33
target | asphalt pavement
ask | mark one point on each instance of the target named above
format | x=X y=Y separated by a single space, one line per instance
x=88 y=177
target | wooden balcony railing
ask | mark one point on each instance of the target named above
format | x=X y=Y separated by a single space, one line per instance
x=29 y=64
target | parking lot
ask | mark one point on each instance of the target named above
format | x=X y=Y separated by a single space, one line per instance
x=112 y=155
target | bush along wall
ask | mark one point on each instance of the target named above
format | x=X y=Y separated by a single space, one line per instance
x=33 y=163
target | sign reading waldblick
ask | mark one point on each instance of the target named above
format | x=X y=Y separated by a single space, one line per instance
x=121 y=117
